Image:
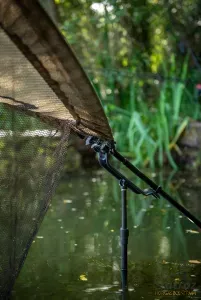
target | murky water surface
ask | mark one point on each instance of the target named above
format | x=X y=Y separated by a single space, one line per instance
x=76 y=253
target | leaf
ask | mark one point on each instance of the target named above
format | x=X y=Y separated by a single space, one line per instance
x=194 y=261
x=191 y=231
x=67 y=201
x=179 y=132
x=177 y=279
x=83 y=277
x=165 y=262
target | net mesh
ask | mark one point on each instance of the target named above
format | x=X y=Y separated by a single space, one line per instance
x=31 y=159
x=44 y=93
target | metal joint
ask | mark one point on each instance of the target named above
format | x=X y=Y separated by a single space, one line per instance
x=99 y=145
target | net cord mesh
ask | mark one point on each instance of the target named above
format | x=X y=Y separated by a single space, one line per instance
x=31 y=164
x=44 y=95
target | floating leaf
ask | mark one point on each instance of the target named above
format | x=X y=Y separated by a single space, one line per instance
x=165 y=262
x=194 y=261
x=67 y=201
x=83 y=277
x=86 y=194
x=177 y=279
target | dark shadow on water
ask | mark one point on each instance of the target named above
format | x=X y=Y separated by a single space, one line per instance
x=76 y=254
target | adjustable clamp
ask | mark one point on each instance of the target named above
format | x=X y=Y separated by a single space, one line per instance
x=104 y=148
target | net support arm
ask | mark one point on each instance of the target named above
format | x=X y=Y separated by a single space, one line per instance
x=105 y=149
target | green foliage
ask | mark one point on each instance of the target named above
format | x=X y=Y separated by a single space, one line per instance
x=145 y=130
x=132 y=34
x=130 y=50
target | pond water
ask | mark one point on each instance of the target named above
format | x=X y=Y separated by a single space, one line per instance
x=76 y=253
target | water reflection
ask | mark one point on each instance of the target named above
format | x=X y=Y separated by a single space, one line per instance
x=76 y=254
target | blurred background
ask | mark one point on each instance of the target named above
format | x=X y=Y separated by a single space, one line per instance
x=143 y=58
